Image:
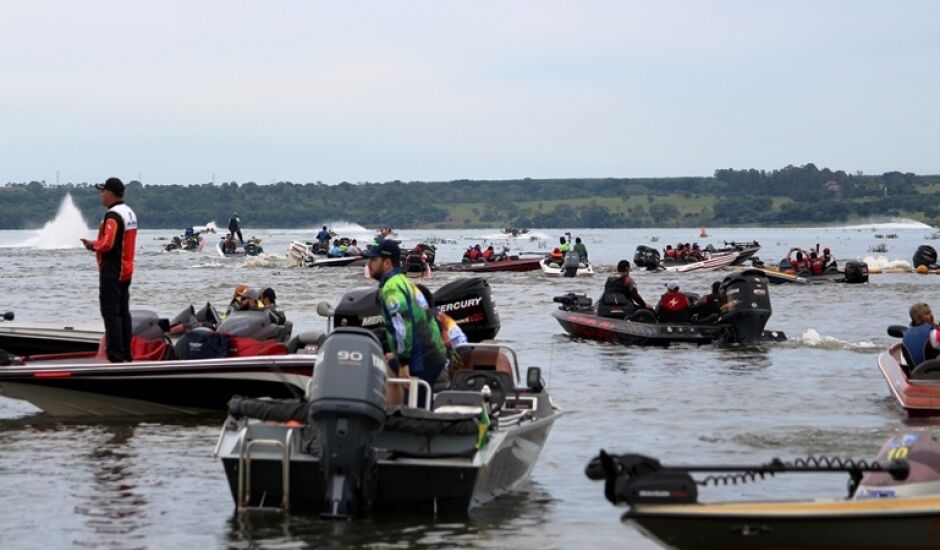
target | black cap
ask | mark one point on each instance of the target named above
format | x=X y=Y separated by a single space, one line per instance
x=114 y=185
x=269 y=294
x=388 y=248
x=623 y=264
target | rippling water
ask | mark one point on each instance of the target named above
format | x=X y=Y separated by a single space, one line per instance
x=156 y=484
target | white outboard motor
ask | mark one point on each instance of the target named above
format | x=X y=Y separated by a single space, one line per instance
x=347 y=406
x=922 y=452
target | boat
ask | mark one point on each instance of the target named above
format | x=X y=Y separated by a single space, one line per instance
x=892 y=502
x=252 y=247
x=651 y=259
x=419 y=261
x=172 y=373
x=853 y=273
x=37 y=338
x=745 y=303
x=711 y=264
x=552 y=269
x=515 y=231
x=916 y=389
x=191 y=240
x=511 y=263
x=301 y=254
x=345 y=451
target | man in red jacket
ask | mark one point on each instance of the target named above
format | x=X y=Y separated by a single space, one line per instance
x=114 y=250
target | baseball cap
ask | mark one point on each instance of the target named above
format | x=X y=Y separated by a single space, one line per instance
x=114 y=185
x=386 y=249
x=269 y=294
x=672 y=285
x=623 y=264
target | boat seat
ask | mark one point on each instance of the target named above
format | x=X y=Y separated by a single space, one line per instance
x=446 y=400
x=908 y=365
x=928 y=370
x=475 y=358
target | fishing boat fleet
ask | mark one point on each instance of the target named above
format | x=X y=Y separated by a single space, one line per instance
x=314 y=423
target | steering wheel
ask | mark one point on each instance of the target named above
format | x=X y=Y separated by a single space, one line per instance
x=475 y=382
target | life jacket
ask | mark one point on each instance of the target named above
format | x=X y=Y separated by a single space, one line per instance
x=556 y=255
x=671 y=253
x=474 y=255
x=816 y=267
x=674 y=302
x=616 y=290
x=487 y=254
x=917 y=343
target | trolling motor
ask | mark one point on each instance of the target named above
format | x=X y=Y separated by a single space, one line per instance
x=574 y=302
x=638 y=479
x=347 y=405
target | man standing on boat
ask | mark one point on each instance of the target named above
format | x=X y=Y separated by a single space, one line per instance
x=414 y=339
x=235 y=227
x=114 y=250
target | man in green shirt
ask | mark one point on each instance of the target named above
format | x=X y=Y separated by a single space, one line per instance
x=580 y=249
x=412 y=333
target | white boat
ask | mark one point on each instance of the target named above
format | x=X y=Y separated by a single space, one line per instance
x=715 y=262
x=552 y=269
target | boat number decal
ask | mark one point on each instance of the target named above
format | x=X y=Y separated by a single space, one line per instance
x=898 y=453
x=351 y=358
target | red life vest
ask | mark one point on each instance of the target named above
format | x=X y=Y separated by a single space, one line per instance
x=674 y=301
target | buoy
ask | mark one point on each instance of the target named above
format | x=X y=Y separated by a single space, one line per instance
x=922 y=269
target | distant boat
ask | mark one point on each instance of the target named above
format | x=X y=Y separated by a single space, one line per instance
x=703 y=233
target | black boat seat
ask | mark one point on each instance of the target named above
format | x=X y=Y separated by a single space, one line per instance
x=908 y=365
x=928 y=370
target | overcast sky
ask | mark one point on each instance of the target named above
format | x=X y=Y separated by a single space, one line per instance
x=374 y=91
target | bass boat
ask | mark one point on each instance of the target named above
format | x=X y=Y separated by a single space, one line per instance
x=915 y=388
x=34 y=338
x=310 y=255
x=893 y=502
x=172 y=374
x=252 y=247
x=745 y=305
x=344 y=450
x=574 y=269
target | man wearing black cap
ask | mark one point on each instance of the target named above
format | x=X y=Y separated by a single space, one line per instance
x=620 y=298
x=114 y=250
x=411 y=331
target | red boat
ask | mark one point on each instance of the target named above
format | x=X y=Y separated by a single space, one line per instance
x=513 y=263
x=917 y=391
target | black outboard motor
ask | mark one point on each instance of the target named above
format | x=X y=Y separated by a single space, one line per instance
x=745 y=305
x=469 y=303
x=347 y=406
x=256 y=324
x=856 y=272
x=925 y=255
x=570 y=266
x=646 y=257
x=360 y=308
x=148 y=325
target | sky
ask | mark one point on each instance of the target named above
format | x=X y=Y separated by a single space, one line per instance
x=227 y=90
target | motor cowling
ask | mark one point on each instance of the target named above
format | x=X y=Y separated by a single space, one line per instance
x=147 y=325
x=745 y=305
x=922 y=452
x=347 y=405
x=646 y=257
x=255 y=324
x=856 y=272
x=469 y=302
x=925 y=255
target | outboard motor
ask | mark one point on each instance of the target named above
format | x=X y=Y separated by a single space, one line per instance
x=646 y=257
x=856 y=272
x=572 y=261
x=922 y=451
x=347 y=406
x=469 y=302
x=925 y=255
x=360 y=308
x=745 y=305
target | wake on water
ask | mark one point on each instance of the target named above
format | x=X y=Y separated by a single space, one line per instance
x=813 y=339
x=62 y=232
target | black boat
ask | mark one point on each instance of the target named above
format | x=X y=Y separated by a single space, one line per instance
x=34 y=338
x=745 y=304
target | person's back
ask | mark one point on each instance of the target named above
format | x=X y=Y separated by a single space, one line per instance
x=488 y=254
x=234 y=224
x=564 y=246
x=581 y=249
x=412 y=331
x=673 y=306
x=323 y=235
x=353 y=249
x=921 y=340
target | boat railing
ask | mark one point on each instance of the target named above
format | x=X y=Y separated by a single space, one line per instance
x=413 y=386
x=244 y=469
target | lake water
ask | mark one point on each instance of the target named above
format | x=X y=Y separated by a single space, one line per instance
x=129 y=485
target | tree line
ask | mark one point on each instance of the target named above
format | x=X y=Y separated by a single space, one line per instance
x=790 y=195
